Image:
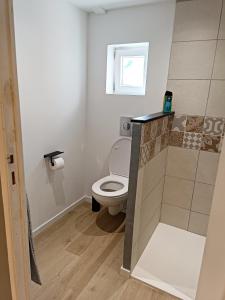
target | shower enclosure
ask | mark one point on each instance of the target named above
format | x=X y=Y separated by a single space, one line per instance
x=168 y=209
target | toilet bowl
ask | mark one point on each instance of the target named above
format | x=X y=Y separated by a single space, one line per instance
x=112 y=191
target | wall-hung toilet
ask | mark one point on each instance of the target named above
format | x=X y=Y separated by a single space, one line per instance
x=111 y=191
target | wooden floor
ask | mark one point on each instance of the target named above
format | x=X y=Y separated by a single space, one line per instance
x=80 y=258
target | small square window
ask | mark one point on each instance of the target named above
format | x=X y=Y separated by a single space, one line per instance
x=127 y=69
x=132 y=71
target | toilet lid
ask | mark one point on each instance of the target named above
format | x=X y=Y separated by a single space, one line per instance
x=119 y=161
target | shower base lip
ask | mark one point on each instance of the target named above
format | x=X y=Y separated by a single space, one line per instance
x=162 y=286
x=171 y=261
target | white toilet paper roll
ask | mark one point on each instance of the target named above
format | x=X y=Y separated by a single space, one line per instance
x=58 y=163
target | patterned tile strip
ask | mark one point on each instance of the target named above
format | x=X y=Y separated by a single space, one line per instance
x=189 y=132
x=199 y=133
x=211 y=143
x=179 y=123
x=194 y=124
x=154 y=138
x=192 y=140
x=176 y=138
x=214 y=126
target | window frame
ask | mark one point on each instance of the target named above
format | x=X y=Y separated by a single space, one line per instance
x=113 y=72
x=123 y=52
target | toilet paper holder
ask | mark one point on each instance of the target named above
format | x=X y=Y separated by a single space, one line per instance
x=52 y=155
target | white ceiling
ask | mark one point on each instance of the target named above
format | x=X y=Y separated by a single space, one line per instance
x=92 y=5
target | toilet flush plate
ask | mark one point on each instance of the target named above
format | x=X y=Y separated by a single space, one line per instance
x=125 y=126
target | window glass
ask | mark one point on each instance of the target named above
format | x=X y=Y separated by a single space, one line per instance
x=132 y=71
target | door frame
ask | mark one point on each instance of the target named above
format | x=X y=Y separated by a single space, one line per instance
x=13 y=193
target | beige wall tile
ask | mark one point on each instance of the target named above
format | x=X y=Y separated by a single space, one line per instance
x=139 y=191
x=147 y=210
x=207 y=167
x=198 y=223
x=151 y=204
x=189 y=96
x=135 y=256
x=216 y=103
x=219 y=66
x=197 y=20
x=175 y=216
x=178 y=192
x=138 y=204
x=222 y=25
x=202 y=198
x=147 y=233
x=182 y=163
x=153 y=172
x=192 y=60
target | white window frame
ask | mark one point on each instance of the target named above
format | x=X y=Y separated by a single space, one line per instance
x=128 y=90
x=115 y=53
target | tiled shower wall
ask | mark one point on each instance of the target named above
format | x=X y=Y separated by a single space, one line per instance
x=197 y=79
x=150 y=182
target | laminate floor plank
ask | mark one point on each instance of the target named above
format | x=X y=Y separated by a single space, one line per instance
x=80 y=257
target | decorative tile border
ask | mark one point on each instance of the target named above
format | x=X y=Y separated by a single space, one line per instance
x=198 y=133
x=179 y=123
x=164 y=140
x=154 y=138
x=147 y=152
x=192 y=140
x=211 y=143
x=159 y=125
x=194 y=124
x=158 y=143
x=214 y=126
x=165 y=124
x=170 y=122
x=146 y=133
x=154 y=129
x=176 y=138
x=189 y=132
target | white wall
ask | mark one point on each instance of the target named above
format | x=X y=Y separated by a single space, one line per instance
x=51 y=44
x=151 y=23
x=51 y=56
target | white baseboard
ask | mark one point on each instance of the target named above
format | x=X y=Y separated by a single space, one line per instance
x=124 y=272
x=88 y=198
x=43 y=226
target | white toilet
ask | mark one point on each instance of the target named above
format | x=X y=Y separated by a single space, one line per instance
x=112 y=191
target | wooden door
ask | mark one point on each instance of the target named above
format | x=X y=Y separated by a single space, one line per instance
x=11 y=162
x=5 y=288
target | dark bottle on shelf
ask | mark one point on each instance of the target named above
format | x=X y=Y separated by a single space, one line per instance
x=167 y=107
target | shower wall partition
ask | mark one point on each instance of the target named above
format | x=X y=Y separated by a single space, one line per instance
x=147 y=174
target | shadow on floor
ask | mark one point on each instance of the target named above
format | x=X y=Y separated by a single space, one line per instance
x=109 y=223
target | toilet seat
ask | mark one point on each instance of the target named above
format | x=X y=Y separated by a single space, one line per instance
x=96 y=188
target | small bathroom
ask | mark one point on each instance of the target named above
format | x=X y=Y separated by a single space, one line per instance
x=120 y=186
